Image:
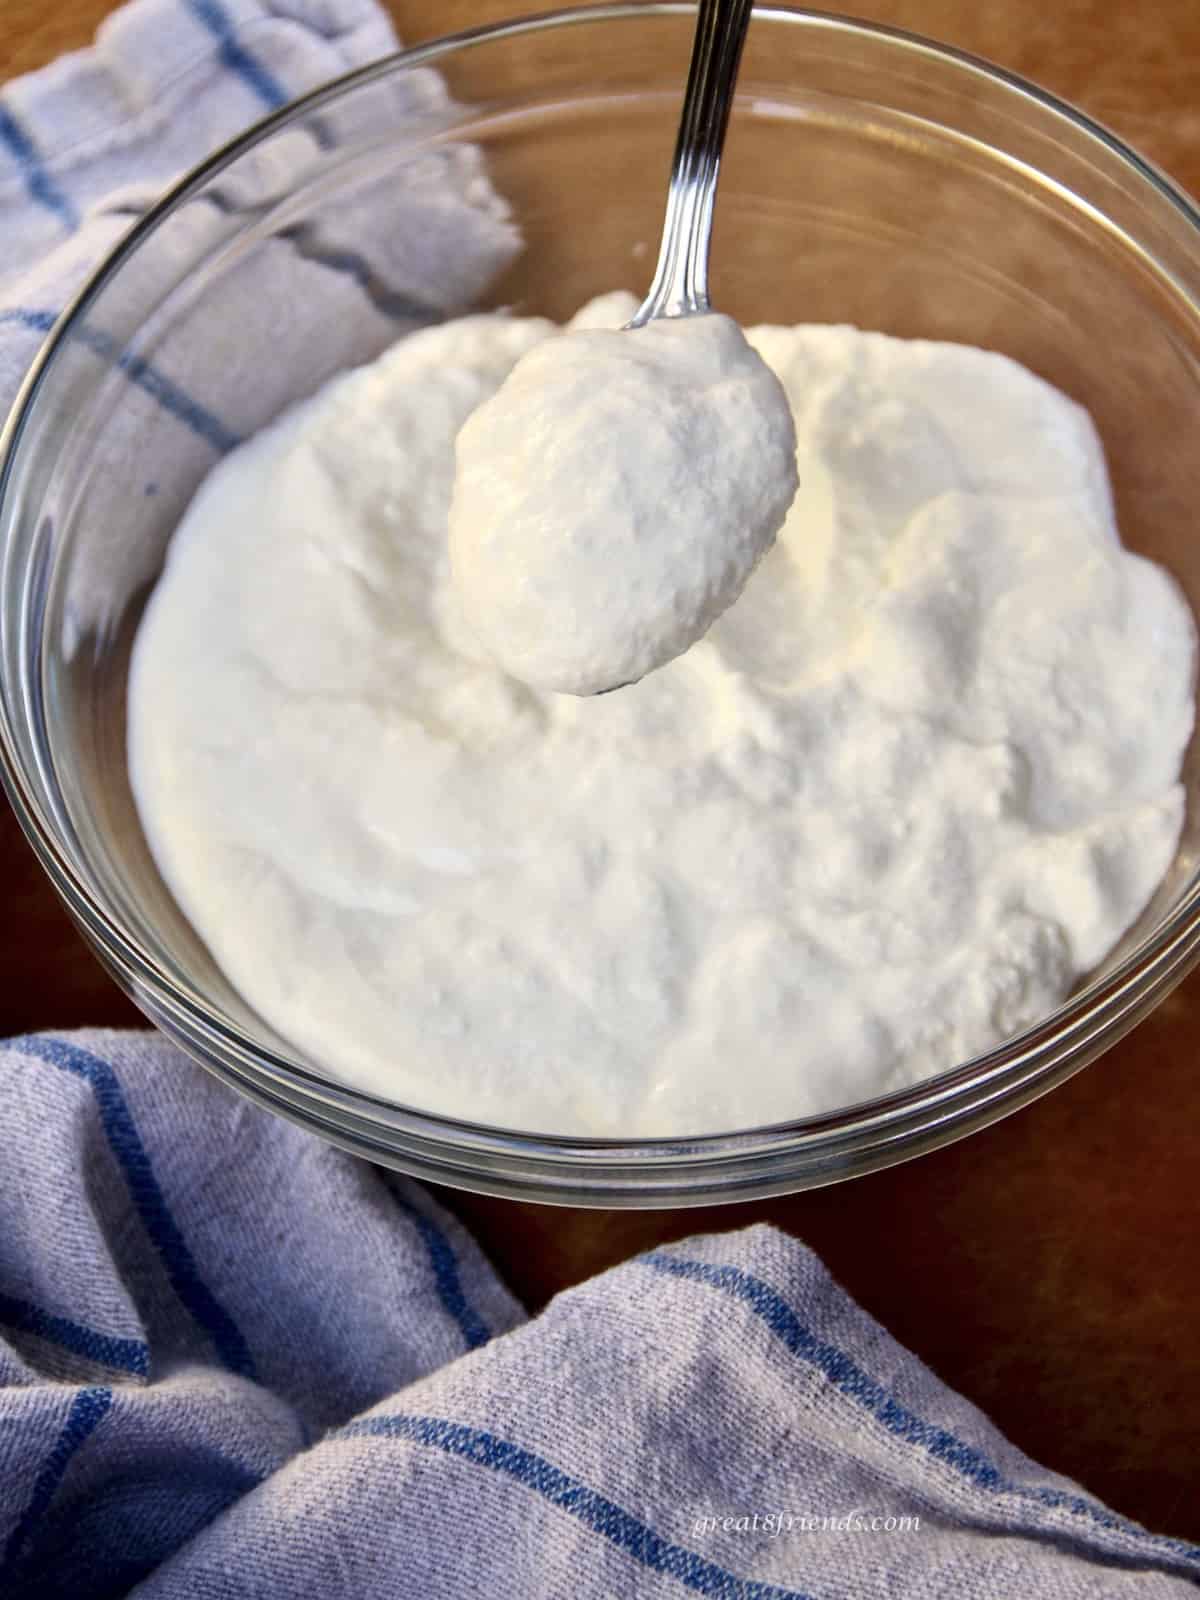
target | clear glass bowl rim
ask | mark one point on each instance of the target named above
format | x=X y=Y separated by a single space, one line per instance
x=679 y=1170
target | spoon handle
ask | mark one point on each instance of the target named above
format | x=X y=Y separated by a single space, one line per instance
x=680 y=286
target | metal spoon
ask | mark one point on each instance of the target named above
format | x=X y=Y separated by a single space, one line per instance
x=680 y=285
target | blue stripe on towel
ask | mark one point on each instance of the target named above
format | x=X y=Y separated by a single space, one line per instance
x=234 y=54
x=445 y=1275
x=569 y=1494
x=844 y=1372
x=138 y=370
x=88 y=1409
x=139 y=1509
x=134 y=1160
x=36 y=321
x=169 y=395
x=38 y=182
x=127 y=1355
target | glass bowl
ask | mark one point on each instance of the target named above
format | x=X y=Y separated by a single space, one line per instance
x=871 y=177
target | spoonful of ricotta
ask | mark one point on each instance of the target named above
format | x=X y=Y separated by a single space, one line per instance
x=614 y=495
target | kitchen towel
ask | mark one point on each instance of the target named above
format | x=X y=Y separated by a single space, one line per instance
x=235 y=1362
x=337 y=234
x=88 y=142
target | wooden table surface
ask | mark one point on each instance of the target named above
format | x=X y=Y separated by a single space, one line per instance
x=1047 y=1267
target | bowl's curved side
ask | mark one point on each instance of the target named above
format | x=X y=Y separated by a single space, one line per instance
x=994 y=148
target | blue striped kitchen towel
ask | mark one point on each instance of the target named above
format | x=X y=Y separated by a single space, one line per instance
x=89 y=143
x=235 y=1362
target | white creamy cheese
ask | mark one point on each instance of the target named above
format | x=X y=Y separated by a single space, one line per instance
x=613 y=497
x=915 y=781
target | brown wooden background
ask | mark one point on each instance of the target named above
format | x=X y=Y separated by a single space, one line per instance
x=1049 y=1267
